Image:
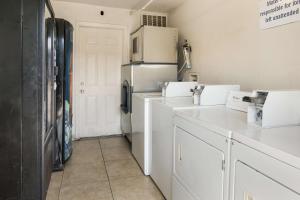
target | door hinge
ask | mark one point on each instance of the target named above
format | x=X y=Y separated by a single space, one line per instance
x=223 y=165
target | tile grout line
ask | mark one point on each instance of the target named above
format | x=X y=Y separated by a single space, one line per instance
x=112 y=194
x=60 y=186
x=123 y=159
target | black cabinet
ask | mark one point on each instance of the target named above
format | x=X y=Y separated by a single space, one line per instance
x=26 y=99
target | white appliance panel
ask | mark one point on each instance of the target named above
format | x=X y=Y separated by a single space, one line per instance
x=216 y=94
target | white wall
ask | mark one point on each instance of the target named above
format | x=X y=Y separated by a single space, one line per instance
x=229 y=47
x=77 y=13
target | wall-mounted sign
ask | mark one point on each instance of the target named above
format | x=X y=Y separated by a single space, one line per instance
x=278 y=12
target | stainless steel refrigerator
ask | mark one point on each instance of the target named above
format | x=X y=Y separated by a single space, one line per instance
x=137 y=78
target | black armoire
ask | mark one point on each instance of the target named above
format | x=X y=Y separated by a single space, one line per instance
x=27 y=97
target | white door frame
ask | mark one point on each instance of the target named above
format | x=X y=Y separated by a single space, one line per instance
x=125 y=59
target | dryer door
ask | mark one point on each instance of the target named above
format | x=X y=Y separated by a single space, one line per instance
x=250 y=184
x=198 y=165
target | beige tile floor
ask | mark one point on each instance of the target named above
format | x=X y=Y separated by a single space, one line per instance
x=102 y=169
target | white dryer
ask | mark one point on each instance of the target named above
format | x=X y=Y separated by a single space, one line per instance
x=265 y=164
x=202 y=152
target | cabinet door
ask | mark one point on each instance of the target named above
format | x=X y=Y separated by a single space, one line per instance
x=253 y=185
x=198 y=166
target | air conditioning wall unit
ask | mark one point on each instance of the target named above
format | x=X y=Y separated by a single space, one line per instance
x=145 y=18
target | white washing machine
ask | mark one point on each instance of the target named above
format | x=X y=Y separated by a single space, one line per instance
x=141 y=128
x=163 y=131
x=142 y=121
x=265 y=164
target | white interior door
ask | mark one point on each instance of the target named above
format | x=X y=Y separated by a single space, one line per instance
x=99 y=81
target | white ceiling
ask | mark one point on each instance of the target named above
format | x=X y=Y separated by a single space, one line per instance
x=164 y=5
x=157 y=5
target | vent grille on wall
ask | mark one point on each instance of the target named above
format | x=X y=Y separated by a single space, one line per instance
x=154 y=20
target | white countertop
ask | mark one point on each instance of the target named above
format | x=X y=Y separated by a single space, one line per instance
x=281 y=143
